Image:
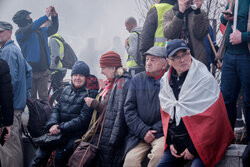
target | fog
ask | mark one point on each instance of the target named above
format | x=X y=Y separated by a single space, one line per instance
x=92 y=27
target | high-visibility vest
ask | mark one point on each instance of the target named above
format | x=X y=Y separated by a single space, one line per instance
x=130 y=59
x=161 y=8
x=61 y=49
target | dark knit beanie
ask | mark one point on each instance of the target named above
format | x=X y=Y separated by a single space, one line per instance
x=110 y=59
x=80 y=67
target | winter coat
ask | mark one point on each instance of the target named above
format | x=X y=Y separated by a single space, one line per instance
x=198 y=28
x=150 y=26
x=114 y=129
x=71 y=113
x=6 y=95
x=142 y=109
x=21 y=73
x=32 y=44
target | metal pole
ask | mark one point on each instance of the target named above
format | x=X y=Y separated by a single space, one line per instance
x=235 y=14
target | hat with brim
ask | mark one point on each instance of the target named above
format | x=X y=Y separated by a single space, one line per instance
x=5 y=26
x=174 y=46
x=156 y=51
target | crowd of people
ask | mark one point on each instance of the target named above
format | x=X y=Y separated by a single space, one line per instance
x=166 y=108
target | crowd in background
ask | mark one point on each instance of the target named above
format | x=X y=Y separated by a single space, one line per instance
x=166 y=107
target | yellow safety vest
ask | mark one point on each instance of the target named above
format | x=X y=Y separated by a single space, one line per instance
x=61 y=50
x=161 y=8
x=130 y=60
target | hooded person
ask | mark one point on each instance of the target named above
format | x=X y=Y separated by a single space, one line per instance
x=33 y=41
x=195 y=122
x=70 y=117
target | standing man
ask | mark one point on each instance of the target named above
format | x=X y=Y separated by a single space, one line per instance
x=235 y=69
x=20 y=71
x=189 y=24
x=56 y=54
x=6 y=99
x=132 y=44
x=142 y=112
x=152 y=32
x=33 y=41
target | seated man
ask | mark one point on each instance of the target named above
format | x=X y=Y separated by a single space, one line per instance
x=142 y=112
x=194 y=117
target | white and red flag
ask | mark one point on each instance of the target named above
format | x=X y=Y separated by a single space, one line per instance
x=202 y=109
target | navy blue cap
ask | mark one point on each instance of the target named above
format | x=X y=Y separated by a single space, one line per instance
x=80 y=67
x=175 y=45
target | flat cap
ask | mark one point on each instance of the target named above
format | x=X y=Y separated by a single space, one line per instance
x=156 y=51
x=5 y=26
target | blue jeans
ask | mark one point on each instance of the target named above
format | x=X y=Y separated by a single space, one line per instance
x=236 y=76
x=168 y=160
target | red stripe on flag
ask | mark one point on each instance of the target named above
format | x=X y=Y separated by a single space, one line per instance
x=165 y=120
x=210 y=132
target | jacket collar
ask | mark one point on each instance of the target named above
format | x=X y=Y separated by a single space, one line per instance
x=7 y=43
x=79 y=89
x=159 y=76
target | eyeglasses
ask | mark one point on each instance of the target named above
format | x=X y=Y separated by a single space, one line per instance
x=179 y=57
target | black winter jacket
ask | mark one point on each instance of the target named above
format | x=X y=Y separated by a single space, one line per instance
x=142 y=109
x=150 y=26
x=114 y=129
x=71 y=113
x=6 y=95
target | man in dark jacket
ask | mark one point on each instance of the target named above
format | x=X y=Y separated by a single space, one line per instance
x=152 y=32
x=6 y=98
x=33 y=41
x=190 y=24
x=142 y=112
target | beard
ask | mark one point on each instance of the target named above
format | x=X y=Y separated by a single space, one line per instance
x=30 y=21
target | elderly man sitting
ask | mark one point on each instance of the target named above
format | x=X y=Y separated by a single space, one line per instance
x=194 y=117
x=142 y=112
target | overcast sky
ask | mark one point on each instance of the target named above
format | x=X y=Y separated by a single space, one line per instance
x=80 y=20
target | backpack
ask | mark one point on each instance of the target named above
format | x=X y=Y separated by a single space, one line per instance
x=139 y=59
x=69 y=57
x=39 y=112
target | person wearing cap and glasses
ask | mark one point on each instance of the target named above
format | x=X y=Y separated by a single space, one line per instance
x=195 y=122
x=33 y=41
x=142 y=112
x=11 y=154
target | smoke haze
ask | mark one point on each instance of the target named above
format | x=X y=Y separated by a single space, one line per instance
x=92 y=27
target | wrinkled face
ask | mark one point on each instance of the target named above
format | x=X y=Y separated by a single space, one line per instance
x=109 y=72
x=5 y=36
x=181 y=61
x=155 y=65
x=78 y=80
